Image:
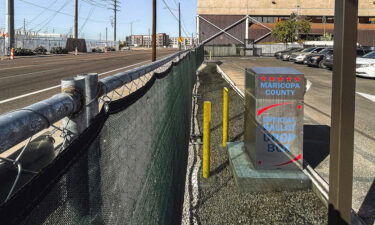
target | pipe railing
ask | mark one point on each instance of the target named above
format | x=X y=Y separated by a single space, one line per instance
x=18 y=125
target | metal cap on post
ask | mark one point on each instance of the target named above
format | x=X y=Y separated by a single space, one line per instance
x=76 y=87
x=91 y=96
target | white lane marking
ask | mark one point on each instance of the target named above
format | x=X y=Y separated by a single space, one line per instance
x=9 y=68
x=368 y=96
x=57 y=86
x=51 y=62
x=28 y=94
x=25 y=74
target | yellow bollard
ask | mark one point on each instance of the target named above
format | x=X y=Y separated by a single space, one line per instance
x=206 y=138
x=225 y=116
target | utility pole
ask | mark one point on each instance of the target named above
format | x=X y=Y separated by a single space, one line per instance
x=75 y=19
x=192 y=40
x=149 y=40
x=106 y=34
x=179 y=26
x=114 y=20
x=131 y=29
x=9 y=26
x=115 y=7
x=24 y=26
x=153 y=30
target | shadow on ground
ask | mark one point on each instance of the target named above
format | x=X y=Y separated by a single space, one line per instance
x=316 y=140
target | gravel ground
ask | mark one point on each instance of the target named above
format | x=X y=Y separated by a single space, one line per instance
x=219 y=200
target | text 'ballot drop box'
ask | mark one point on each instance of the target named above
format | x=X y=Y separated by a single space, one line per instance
x=274 y=117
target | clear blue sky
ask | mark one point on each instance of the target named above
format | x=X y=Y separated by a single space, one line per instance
x=139 y=11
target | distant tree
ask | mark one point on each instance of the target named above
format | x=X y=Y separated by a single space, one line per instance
x=289 y=30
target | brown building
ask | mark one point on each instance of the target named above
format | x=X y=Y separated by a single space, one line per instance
x=254 y=19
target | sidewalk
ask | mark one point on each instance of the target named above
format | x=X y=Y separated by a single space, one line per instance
x=218 y=199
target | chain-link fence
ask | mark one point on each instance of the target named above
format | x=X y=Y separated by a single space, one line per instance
x=249 y=50
x=127 y=167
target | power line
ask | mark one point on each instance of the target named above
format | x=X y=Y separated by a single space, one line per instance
x=87 y=18
x=41 y=13
x=49 y=19
x=174 y=16
x=94 y=3
x=62 y=13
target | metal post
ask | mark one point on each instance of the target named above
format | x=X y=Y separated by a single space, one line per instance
x=153 y=30
x=75 y=124
x=225 y=117
x=206 y=138
x=247 y=28
x=92 y=109
x=343 y=112
x=106 y=34
x=179 y=26
x=91 y=96
x=75 y=19
x=9 y=26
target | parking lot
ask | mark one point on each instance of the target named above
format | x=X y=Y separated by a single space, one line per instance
x=317 y=124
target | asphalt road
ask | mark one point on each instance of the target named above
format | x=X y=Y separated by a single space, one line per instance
x=317 y=126
x=21 y=77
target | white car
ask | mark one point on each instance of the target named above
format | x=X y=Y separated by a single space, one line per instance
x=365 y=66
x=299 y=57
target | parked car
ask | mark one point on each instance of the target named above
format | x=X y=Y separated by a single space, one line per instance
x=328 y=60
x=299 y=57
x=317 y=59
x=365 y=65
x=286 y=55
x=278 y=54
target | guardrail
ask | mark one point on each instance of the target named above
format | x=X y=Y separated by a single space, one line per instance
x=75 y=102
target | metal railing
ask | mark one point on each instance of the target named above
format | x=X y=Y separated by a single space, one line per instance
x=75 y=102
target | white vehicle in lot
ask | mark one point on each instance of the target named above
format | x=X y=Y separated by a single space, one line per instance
x=299 y=57
x=365 y=66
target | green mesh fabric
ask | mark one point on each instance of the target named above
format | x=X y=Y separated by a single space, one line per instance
x=134 y=171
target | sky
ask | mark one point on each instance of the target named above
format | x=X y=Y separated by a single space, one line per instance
x=56 y=15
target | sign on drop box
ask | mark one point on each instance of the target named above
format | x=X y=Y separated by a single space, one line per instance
x=274 y=117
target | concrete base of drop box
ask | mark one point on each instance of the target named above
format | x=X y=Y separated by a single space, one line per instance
x=251 y=180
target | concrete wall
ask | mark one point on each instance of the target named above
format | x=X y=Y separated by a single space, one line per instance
x=281 y=7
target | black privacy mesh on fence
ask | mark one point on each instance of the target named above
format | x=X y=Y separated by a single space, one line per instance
x=128 y=167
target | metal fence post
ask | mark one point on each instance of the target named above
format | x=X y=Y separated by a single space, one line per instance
x=93 y=153
x=76 y=123
x=91 y=96
x=78 y=195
